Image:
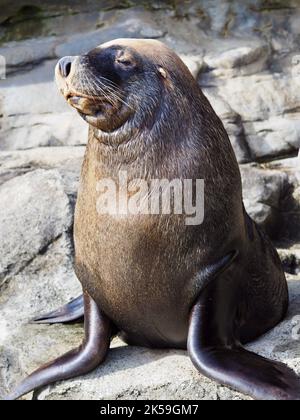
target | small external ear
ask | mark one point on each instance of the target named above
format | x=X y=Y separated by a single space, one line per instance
x=162 y=72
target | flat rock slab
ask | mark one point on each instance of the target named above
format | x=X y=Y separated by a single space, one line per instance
x=48 y=280
x=34 y=211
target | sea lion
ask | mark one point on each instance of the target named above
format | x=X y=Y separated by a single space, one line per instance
x=152 y=278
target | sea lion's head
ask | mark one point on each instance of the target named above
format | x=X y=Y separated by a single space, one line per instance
x=122 y=82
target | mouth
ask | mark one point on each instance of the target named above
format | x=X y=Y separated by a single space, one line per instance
x=74 y=94
x=91 y=109
x=76 y=101
x=84 y=104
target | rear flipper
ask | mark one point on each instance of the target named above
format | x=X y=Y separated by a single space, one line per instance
x=73 y=311
x=77 y=362
x=217 y=353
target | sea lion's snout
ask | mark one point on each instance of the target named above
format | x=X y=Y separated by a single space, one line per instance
x=95 y=85
x=75 y=85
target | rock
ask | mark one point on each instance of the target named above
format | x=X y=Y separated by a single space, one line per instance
x=291 y=215
x=236 y=132
x=32 y=92
x=35 y=114
x=291 y=165
x=233 y=124
x=260 y=97
x=149 y=32
x=40 y=130
x=290 y=204
x=240 y=61
x=290 y=259
x=47 y=281
x=133 y=25
x=268 y=108
x=34 y=212
x=237 y=57
x=263 y=191
x=275 y=137
x=283 y=342
x=194 y=63
x=20 y=54
x=67 y=160
x=220 y=106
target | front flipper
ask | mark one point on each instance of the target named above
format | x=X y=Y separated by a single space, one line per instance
x=216 y=352
x=77 y=362
x=73 y=311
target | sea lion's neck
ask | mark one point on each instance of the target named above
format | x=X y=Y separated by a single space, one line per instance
x=129 y=150
x=112 y=140
x=155 y=131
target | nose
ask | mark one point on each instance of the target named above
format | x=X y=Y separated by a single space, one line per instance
x=65 y=66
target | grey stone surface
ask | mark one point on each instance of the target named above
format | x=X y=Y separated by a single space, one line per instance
x=194 y=63
x=35 y=114
x=290 y=204
x=20 y=54
x=277 y=136
x=128 y=24
x=66 y=160
x=263 y=191
x=242 y=61
x=34 y=211
x=45 y=281
x=258 y=97
x=291 y=259
x=233 y=124
x=268 y=106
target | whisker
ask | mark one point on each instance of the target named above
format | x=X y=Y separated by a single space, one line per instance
x=89 y=85
x=113 y=93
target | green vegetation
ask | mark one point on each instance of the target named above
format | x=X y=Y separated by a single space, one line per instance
x=271 y=5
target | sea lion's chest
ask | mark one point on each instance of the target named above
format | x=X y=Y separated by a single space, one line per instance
x=142 y=269
x=138 y=268
x=129 y=252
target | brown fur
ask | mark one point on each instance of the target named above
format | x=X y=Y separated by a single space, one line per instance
x=145 y=272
